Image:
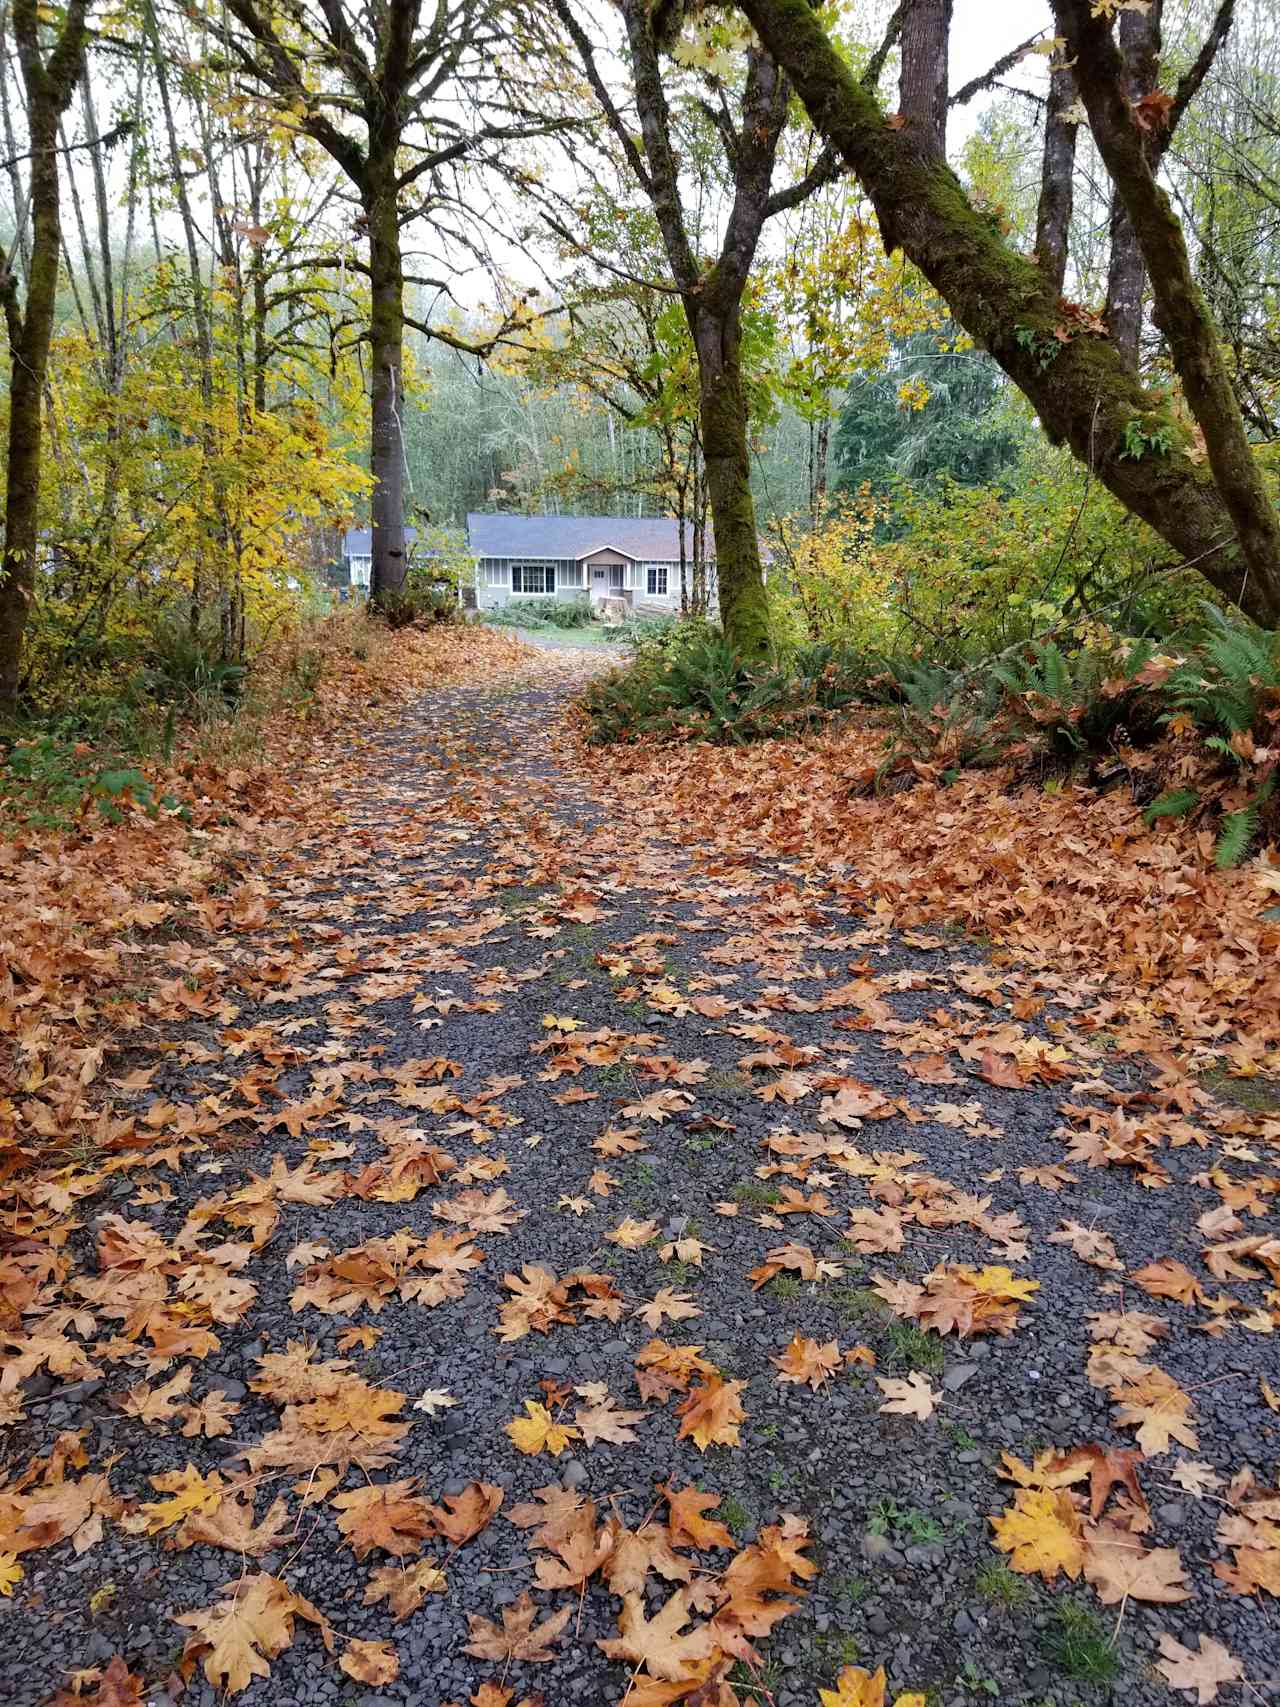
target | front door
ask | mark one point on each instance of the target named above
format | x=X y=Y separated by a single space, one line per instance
x=599 y=582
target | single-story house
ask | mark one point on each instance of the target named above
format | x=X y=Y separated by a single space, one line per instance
x=357 y=556
x=631 y=558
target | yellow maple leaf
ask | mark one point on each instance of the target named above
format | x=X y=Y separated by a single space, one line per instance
x=539 y=1431
x=11 y=1573
x=189 y=1491
x=1041 y=1533
x=855 y=1688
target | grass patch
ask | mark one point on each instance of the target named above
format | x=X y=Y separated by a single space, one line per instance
x=1078 y=1645
x=731 y=1082
x=999 y=1586
x=911 y=1347
x=751 y=1191
x=737 y=1514
x=784 y=1286
x=1260 y=1095
x=858 y=1303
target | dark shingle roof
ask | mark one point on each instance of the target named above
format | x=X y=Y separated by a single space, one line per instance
x=358 y=542
x=654 y=538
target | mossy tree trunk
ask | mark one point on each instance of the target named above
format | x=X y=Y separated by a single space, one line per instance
x=386 y=389
x=50 y=83
x=744 y=611
x=1216 y=516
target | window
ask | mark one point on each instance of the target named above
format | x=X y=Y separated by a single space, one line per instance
x=568 y=574
x=656 y=580
x=533 y=577
x=493 y=571
x=360 y=565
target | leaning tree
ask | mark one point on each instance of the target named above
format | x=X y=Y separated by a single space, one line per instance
x=1200 y=488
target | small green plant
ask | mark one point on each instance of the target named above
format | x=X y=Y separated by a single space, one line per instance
x=919 y=1528
x=737 y=1515
x=784 y=1286
x=975 y=1683
x=884 y=1515
x=1079 y=1646
x=854 y=1590
x=996 y=1583
x=1042 y=347
x=1144 y=436
x=958 y=1435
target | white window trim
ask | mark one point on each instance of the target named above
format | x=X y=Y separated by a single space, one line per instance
x=543 y=563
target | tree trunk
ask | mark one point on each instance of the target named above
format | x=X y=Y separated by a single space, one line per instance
x=1126 y=274
x=744 y=610
x=49 y=89
x=1082 y=390
x=1053 y=216
x=386 y=401
x=922 y=85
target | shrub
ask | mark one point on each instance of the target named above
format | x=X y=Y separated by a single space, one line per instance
x=419 y=603
x=543 y=613
x=685 y=682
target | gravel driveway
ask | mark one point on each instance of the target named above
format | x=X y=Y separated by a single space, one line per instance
x=486 y=953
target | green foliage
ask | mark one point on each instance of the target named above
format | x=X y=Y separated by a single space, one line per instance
x=1173 y=803
x=422 y=602
x=1042 y=347
x=686 y=682
x=1144 y=436
x=183 y=668
x=1232 y=680
x=543 y=613
x=933 y=411
x=51 y=781
x=996 y=1583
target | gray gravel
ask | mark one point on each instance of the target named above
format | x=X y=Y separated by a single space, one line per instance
x=466 y=809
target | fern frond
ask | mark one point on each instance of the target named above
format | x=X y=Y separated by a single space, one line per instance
x=1172 y=804
x=1237 y=832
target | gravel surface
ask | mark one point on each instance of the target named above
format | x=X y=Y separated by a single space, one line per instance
x=479 y=903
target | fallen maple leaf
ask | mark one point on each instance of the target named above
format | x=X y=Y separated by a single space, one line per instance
x=808 y=1363
x=462 y=1516
x=1200 y=1673
x=710 y=1414
x=404 y=1588
x=858 y=1688
x=237 y=1637
x=667 y=1305
x=1169 y=1279
x=661 y=1643
x=686 y=1520
x=605 y=1420
x=914 y=1397
x=520 y=1638
x=370 y=1662
x=433 y=1401
x=387 y=1515
x=539 y=1431
x=1196 y=1478
x=1041 y=1533
x=1120 y=1569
